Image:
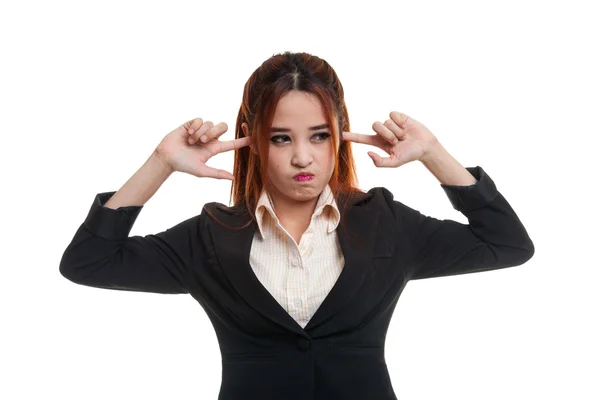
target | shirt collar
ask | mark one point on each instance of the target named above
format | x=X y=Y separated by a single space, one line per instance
x=326 y=205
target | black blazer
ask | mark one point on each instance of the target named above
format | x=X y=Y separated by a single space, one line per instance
x=265 y=353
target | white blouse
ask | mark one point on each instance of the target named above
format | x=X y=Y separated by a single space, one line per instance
x=298 y=276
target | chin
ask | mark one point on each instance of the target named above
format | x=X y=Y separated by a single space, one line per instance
x=301 y=194
x=299 y=191
x=305 y=195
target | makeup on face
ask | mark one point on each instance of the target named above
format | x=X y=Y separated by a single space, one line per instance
x=300 y=162
x=303 y=177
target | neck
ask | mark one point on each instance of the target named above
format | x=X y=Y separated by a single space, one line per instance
x=291 y=212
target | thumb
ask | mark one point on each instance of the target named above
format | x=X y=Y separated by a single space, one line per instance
x=381 y=162
x=375 y=157
x=209 y=172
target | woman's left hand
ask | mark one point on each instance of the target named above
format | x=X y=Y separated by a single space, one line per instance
x=403 y=138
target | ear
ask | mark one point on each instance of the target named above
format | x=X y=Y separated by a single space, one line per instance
x=247 y=134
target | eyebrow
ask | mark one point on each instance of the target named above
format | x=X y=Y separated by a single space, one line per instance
x=312 y=128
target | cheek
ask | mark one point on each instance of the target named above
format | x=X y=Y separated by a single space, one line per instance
x=274 y=163
x=326 y=156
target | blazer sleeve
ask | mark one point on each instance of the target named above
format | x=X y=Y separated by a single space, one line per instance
x=494 y=238
x=103 y=255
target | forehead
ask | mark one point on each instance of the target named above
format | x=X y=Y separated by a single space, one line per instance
x=299 y=110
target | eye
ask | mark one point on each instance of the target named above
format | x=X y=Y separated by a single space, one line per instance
x=322 y=136
x=280 y=139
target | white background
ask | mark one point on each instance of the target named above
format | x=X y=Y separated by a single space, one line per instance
x=88 y=89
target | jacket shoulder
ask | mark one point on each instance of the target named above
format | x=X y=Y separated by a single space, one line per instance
x=382 y=199
x=231 y=216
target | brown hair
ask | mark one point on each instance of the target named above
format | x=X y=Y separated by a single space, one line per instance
x=277 y=76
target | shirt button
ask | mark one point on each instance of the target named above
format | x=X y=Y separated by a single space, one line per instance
x=298 y=302
x=295 y=262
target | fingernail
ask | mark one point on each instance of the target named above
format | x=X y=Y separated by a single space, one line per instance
x=191 y=140
x=204 y=138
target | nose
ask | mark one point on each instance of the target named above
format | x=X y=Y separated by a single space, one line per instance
x=301 y=156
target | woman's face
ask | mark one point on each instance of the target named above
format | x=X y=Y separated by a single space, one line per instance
x=300 y=143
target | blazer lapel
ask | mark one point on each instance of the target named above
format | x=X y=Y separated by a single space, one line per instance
x=356 y=233
x=232 y=248
x=357 y=240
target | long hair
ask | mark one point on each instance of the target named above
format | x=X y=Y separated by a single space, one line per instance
x=275 y=77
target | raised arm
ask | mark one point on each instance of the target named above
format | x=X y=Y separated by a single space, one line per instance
x=494 y=238
x=102 y=254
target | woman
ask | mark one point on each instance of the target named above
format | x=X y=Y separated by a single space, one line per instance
x=301 y=275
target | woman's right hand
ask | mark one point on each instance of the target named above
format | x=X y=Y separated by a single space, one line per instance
x=183 y=150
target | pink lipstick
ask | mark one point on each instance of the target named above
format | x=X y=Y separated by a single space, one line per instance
x=304 y=177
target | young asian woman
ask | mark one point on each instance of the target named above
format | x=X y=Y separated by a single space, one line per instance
x=301 y=275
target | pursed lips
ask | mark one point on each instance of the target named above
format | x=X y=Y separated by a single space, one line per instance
x=303 y=176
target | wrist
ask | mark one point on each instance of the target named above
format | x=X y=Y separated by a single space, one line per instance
x=159 y=161
x=446 y=168
x=434 y=151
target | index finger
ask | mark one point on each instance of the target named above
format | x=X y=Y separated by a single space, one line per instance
x=359 y=138
x=233 y=144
